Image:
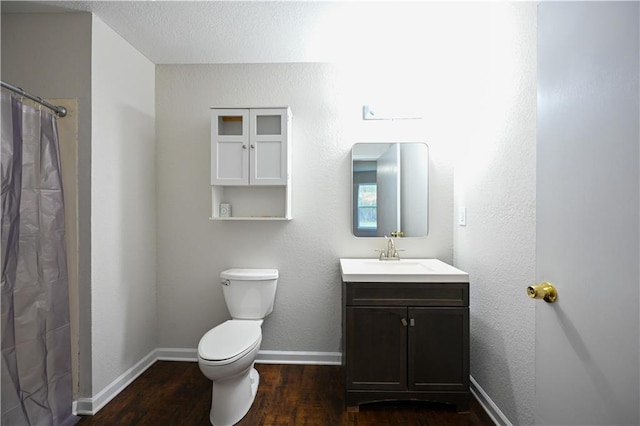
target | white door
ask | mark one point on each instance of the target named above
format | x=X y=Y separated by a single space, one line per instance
x=587 y=357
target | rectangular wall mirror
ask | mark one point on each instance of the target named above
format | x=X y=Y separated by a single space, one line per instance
x=389 y=189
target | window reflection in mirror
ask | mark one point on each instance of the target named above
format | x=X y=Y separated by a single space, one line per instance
x=389 y=189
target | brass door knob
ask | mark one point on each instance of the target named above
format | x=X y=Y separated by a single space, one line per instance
x=545 y=291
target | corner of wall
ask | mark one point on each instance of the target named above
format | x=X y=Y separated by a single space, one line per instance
x=494 y=181
x=123 y=206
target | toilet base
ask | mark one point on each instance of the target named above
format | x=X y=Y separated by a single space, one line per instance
x=231 y=399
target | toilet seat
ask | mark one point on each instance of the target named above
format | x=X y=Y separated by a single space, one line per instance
x=229 y=341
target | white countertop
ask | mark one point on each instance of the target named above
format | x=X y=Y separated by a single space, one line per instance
x=403 y=270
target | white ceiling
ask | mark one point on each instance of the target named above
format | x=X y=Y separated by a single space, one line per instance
x=207 y=32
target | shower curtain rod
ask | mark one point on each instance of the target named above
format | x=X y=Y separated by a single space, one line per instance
x=59 y=110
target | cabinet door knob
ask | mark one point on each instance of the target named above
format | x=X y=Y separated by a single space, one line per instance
x=253 y=146
x=412 y=322
x=244 y=146
x=404 y=321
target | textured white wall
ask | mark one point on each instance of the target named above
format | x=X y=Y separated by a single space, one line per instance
x=123 y=224
x=495 y=181
x=60 y=67
x=326 y=101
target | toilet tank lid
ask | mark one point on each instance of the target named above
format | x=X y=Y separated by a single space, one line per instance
x=249 y=274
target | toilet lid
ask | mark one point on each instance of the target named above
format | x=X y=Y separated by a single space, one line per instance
x=249 y=274
x=228 y=340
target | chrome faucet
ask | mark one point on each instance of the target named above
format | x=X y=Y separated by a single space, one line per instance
x=391 y=253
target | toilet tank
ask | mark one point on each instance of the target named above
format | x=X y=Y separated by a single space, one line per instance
x=249 y=293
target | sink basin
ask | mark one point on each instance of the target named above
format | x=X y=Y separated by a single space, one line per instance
x=403 y=270
x=405 y=266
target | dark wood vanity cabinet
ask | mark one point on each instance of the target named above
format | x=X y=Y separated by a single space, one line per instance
x=406 y=341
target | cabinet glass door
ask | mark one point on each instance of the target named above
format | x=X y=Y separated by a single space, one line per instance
x=230 y=125
x=229 y=147
x=269 y=124
x=268 y=146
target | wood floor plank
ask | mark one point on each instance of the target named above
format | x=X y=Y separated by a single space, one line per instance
x=176 y=393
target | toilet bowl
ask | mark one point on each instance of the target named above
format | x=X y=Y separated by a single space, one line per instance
x=226 y=355
x=227 y=352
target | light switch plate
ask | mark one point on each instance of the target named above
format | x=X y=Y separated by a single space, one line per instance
x=462 y=216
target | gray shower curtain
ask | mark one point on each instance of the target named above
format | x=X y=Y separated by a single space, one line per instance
x=36 y=351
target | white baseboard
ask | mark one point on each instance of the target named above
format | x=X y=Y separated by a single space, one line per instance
x=299 y=357
x=489 y=406
x=177 y=354
x=90 y=406
x=264 y=357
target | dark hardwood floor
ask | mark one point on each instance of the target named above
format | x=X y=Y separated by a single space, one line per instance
x=176 y=393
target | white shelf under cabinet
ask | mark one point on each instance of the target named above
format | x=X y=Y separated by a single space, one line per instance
x=252 y=203
x=251 y=218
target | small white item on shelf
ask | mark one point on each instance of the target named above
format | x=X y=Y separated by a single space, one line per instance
x=225 y=210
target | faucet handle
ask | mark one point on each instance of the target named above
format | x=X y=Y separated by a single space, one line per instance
x=383 y=253
x=396 y=252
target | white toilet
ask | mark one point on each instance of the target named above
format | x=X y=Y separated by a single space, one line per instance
x=227 y=352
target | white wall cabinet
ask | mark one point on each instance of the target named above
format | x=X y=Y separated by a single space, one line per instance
x=251 y=163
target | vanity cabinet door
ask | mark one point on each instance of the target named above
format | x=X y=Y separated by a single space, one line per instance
x=376 y=348
x=439 y=349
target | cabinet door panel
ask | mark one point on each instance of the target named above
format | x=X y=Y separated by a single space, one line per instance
x=376 y=348
x=232 y=163
x=268 y=146
x=439 y=349
x=266 y=158
x=229 y=147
